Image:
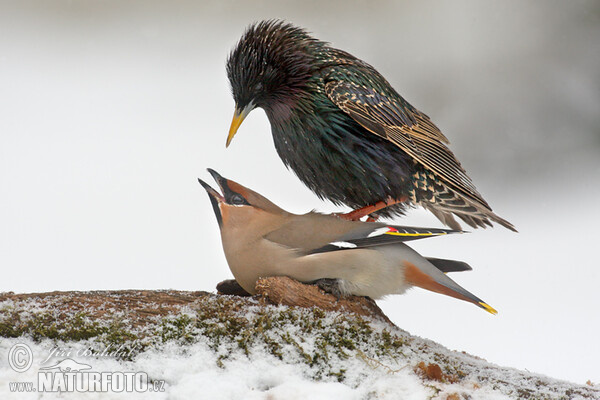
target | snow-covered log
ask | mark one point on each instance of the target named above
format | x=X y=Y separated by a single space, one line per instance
x=216 y=346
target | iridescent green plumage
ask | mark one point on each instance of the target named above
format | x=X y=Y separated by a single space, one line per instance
x=345 y=132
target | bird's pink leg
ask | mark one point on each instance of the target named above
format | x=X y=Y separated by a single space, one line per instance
x=361 y=212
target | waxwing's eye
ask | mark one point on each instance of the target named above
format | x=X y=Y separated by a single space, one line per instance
x=238 y=200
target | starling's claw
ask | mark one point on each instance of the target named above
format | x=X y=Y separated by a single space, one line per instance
x=372 y=218
x=368 y=210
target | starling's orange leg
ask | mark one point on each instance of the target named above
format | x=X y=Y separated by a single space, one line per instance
x=361 y=212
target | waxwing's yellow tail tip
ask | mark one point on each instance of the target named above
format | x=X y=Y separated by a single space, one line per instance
x=487 y=308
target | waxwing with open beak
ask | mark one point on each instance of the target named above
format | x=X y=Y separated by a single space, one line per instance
x=342 y=257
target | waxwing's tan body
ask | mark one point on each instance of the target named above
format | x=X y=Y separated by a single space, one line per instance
x=367 y=258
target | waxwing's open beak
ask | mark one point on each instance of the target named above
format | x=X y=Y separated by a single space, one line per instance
x=223 y=185
x=222 y=182
x=215 y=199
x=238 y=118
x=211 y=192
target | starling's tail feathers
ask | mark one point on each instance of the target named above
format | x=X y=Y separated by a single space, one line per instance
x=445 y=203
x=445 y=217
x=472 y=216
x=502 y=222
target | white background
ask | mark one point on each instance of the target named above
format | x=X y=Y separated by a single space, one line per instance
x=110 y=110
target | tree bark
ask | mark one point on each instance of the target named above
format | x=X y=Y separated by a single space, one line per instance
x=287 y=291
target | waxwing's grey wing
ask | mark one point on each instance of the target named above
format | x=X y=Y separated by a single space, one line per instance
x=376 y=234
x=311 y=231
x=318 y=233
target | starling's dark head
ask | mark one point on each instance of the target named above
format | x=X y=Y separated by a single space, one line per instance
x=270 y=66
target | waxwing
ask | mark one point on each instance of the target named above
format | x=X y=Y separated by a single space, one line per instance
x=343 y=257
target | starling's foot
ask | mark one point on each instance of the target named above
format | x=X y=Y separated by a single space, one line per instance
x=372 y=218
x=331 y=286
x=361 y=212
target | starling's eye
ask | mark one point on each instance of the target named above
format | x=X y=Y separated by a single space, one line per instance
x=258 y=87
x=238 y=200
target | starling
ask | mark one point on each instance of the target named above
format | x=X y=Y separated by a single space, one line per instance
x=344 y=130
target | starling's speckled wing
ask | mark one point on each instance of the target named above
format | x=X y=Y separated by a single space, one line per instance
x=396 y=120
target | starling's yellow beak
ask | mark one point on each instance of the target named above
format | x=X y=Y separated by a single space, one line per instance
x=238 y=118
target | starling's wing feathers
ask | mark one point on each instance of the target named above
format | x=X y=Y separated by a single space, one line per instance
x=402 y=124
x=376 y=235
x=392 y=118
x=381 y=109
x=437 y=157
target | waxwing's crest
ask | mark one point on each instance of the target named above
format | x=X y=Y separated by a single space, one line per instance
x=235 y=194
x=254 y=199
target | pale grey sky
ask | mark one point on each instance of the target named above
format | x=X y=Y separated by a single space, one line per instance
x=110 y=110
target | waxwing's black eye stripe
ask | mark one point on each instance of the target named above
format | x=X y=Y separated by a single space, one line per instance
x=231 y=197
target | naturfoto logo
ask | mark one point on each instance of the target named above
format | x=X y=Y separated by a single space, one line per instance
x=70 y=375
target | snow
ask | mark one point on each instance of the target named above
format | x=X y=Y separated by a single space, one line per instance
x=202 y=370
x=194 y=372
